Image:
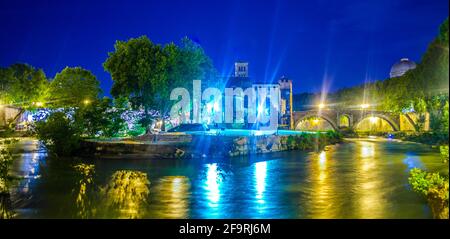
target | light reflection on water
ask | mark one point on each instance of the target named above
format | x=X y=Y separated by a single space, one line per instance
x=172 y=197
x=358 y=179
x=212 y=184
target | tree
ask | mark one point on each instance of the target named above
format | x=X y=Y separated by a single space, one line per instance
x=145 y=72
x=101 y=118
x=73 y=87
x=59 y=134
x=91 y=119
x=22 y=85
x=189 y=62
x=138 y=70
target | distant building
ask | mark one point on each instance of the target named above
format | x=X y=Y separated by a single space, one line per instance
x=9 y=114
x=241 y=69
x=401 y=67
x=286 y=112
x=242 y=79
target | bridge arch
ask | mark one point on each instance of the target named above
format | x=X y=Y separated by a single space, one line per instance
x=388 y=119
x=345 y=120
x=315 y=115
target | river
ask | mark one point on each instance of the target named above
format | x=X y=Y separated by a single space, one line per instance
x=360 y=178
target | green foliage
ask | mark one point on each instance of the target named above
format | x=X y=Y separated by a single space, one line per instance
x=73 y=87
x=434 y=187
x=59 y=133
x=21 y=85
x=91 y=119
x=306 y=141
x=145 y=72
x=138 y=129
x=443 y=33
x=431 y=138
x=102 y=118
x=116 y=124
x=137 y=68
x=6 y=160
x=444 y=153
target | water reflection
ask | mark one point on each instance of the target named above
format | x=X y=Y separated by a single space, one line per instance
x=6 y=210
x=412 y=161
x=369 y=191
x=84 y=189
x=212 y=185
x=172 y=199
x=361 y=179
x=322 y=195
x=126 y=193
x=260 y=179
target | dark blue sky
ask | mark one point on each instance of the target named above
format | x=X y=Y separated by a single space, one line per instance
x=346 y=41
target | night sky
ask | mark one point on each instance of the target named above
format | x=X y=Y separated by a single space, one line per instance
x=344 y=42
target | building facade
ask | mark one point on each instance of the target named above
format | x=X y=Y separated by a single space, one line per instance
x=242 y=79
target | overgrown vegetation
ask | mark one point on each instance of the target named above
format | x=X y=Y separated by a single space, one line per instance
x=435 y=188
x=444 y=153
x=430 y=138
x=317 y=141
x=59 y=134
x=6 y=160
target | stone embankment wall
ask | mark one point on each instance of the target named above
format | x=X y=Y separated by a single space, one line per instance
x=210 y=146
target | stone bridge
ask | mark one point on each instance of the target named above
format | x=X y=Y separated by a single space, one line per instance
x=333 y=117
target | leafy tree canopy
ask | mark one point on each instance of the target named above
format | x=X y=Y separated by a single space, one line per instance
x=146 y=72
x=22 y=85
x=72 y=87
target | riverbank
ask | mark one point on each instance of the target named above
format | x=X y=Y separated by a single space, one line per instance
x=171 y=146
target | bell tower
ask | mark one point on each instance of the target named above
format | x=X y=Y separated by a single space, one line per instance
x=241 y=69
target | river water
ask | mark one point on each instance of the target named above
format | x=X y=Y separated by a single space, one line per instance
x=363 y=178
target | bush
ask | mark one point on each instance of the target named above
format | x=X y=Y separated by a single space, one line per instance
x=317 y=141
x=430 y=138
x=59 y=134
x=434 y=187
x=444 y=152
x=137 y=130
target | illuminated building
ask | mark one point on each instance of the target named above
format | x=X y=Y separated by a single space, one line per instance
x=242 y=79
x=401 y=67
x=286 y=112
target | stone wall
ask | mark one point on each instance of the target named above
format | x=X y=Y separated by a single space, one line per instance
x=205 y=146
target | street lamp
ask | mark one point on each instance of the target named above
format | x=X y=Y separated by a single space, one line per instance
x=86 y=102
x=321 y=106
